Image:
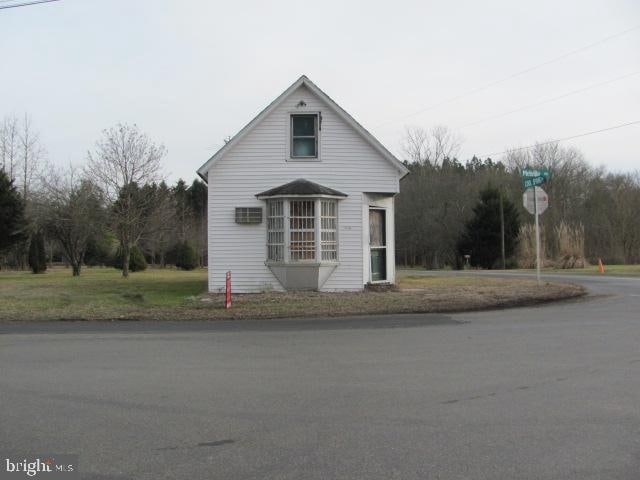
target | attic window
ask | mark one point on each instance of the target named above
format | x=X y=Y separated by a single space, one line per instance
x=304 y=136
x=248 y=215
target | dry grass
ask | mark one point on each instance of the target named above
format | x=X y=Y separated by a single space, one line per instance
x=101 y=294
x=614 y=270
x=570 y=240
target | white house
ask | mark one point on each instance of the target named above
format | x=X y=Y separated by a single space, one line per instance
x=302 y=198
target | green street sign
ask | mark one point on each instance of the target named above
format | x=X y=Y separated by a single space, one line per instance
x=533 y=177
x=533 y=182
x=535 y=172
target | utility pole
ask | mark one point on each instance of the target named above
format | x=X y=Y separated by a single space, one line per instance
x=504 y=259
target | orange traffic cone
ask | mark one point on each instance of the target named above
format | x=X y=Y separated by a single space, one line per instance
x=600 y=266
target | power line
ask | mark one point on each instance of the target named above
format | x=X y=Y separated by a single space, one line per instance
x=560 y=139
x=549 y=100
x=513 y=75
x=26 y=4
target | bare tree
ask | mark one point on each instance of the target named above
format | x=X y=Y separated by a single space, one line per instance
x=74 y=212
x=31 y=154
x=9 y=145
x=430 y=146
x=124 y=160
x=160 y=233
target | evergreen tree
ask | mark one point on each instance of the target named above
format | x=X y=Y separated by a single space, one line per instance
x=100 y=249
x=186 y=256
x=197 y=195
x=12 y=221
x=183 y=210
x=37 y=254
x=137 y=262
x=481 y=237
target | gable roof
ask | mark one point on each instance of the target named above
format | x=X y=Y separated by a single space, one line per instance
x=301 y=187
x=303 y=80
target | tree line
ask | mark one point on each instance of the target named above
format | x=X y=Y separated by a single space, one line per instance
x=117 y=210
x=114 y=210
x=592 y=214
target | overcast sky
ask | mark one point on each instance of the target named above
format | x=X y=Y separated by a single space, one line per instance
x=192 y=72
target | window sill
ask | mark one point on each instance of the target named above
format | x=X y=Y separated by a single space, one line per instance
x=309 y=263
x=303 y=159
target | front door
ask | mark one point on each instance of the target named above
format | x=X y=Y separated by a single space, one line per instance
x=378 y=244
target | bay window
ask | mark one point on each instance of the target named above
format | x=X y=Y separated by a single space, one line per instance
x=302 y=230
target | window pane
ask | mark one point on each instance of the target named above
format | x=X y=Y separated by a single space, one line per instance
x=328 y=230
x=304 y=147
x=376 y=228
x=304 y=125
x=302 y=245
x=275 y=231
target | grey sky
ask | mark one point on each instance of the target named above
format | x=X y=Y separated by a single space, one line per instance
x=192 y=72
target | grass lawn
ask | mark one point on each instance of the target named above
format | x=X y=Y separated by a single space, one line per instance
x=96 y=293
x=102 y=294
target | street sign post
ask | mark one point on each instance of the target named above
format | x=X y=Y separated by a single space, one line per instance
x=535 y=200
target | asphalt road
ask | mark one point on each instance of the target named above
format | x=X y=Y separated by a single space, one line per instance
x=549 y=392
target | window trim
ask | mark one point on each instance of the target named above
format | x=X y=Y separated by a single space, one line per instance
x=318 y=129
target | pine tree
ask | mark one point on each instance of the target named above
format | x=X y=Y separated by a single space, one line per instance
x=186 y=256
x=137 y=262
x=12 y=221
x=37 y=253
x=481 y=237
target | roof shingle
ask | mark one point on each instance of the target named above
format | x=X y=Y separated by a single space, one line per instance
x=301 y=187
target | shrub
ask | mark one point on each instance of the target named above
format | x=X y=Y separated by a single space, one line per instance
x=100 y=251
x=37 y=255
x=137 y=262
x=186 y=257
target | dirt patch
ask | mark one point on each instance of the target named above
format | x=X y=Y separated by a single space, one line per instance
x=465 y=294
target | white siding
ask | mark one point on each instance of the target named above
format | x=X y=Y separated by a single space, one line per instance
x=258 y=162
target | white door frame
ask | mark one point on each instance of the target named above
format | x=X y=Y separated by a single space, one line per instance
x=384 y=247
